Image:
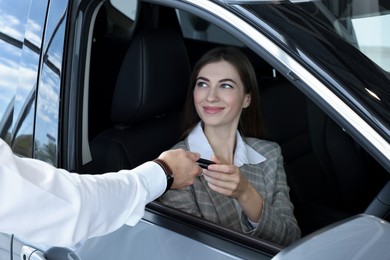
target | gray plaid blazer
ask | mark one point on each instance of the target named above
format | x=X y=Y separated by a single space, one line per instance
x=277 y=223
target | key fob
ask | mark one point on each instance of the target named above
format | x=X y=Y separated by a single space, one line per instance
x=203 y=163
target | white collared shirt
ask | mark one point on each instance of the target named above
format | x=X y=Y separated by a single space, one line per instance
x=52 y=206
x=244 y=154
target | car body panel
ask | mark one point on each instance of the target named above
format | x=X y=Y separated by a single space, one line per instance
x=361 y=237
x=131 y=241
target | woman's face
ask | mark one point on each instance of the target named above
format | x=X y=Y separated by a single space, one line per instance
x=219 y=95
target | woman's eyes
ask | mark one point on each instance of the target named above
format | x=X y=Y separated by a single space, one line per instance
x=203 y=84
x=225 y=85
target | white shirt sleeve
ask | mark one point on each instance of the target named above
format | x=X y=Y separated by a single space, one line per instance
x=44 y=204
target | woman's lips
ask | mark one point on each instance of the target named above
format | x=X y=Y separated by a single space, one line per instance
x=212 y=110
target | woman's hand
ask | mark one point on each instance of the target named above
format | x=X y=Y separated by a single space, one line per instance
x=228 y=180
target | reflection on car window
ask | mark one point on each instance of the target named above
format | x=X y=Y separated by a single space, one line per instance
x=13 y=15
x=24 y=112
x=49 y=86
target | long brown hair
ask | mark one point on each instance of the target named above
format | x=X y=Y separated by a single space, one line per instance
x=250 y=124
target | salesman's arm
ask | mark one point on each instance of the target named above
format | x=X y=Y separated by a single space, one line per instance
x=48 y=205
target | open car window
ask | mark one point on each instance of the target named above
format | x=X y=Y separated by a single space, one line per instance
x=308 y=135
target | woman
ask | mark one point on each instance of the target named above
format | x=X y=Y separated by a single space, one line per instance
x=246 y=189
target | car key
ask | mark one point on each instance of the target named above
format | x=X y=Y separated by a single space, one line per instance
x=203 y=163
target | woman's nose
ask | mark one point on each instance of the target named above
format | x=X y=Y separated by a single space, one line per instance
x=212 y=94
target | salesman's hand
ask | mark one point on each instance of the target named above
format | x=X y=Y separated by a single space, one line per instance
x=183 y=165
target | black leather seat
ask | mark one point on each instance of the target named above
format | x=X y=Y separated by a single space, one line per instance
x=147 y=102
x=325 y=168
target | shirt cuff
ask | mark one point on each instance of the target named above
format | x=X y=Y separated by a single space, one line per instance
x=155 y=177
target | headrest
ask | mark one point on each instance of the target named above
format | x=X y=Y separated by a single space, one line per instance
x=153 y=77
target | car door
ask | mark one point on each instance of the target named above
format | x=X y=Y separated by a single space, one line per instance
x=20 y=44
x=282 y=65
x=205 y=24
x=31 y=47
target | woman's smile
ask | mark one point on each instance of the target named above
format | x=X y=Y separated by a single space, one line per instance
x=212 y=110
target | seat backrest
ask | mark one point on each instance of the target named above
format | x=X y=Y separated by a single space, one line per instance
x=147 y=102
x=324 y=167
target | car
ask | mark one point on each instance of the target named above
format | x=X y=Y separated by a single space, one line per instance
x=98 y=85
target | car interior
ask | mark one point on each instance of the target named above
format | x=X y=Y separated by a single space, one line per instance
x=137 y=88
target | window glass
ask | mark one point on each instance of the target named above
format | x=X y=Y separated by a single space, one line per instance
x=46 y=134
x=13 y=16
x=374 y=39
x=27 y=82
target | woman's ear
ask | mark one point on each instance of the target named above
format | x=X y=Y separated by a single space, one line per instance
x=247 y=101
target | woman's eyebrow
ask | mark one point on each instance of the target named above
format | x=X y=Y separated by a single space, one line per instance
x=227 y=79
x=220 y=81
x=202 y=78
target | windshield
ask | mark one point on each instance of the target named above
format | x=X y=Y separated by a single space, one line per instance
x=346 y=38
x=364 y=24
